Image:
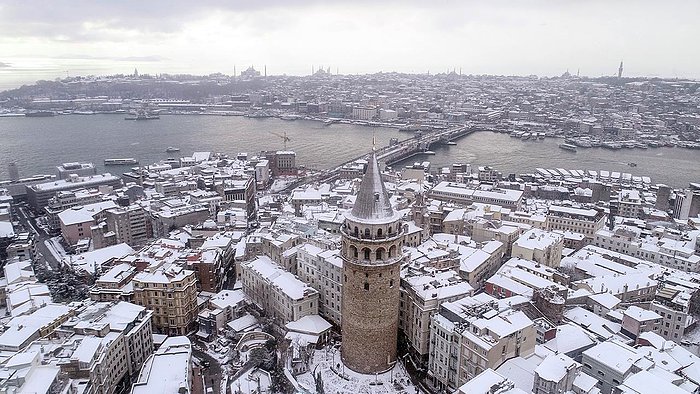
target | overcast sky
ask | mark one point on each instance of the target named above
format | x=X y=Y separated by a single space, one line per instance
x=48 y=39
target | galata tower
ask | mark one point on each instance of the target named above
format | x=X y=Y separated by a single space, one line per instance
x=371 y=251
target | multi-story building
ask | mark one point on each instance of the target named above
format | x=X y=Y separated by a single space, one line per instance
x=657 y=248
x=38 y=195
x=478 y=266
x=284 y=297
x=115 y=284
x=69 y=199
x=577 y=220
x=555 y=374
x=322 y=269
x=170 y=291
x=241 y=191
x=473 y=334
x=541 y=246
x=636 y=320
x=168 y=370
x=79 y=169
x=422 y=293
x=466 y=194
x=130 y=225
x=610 y=362
x=125 y=332
x=76 y=222
x=364 y=113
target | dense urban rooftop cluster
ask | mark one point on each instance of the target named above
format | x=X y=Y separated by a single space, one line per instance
x=238 y=273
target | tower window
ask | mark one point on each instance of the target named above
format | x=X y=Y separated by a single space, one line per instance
x=367 y=233
x=391 y=283
x=366 y=253
x=366 y=286
x=379 y=233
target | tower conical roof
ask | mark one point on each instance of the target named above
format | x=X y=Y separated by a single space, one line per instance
x=372 y=203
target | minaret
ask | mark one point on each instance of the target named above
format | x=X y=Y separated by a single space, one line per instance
x=371 y=250
x=619 y=71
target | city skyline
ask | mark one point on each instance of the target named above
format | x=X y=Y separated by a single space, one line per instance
x=509 y=38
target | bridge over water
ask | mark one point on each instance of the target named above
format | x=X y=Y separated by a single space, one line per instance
x=397 y=152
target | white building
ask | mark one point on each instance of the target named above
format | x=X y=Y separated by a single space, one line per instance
x=278 y=292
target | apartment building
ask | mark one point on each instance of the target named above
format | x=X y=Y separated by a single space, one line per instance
x=322 y=269
x=170 y=291
x=577 y=220
x=658 y=247
x=474 y=334
x=422 y=293
x=118 y=338
x=114 y=284
x=38 y=195
x=130 y=225
x=76 y=222
x=168 y=370
x=277 y=291
x=541 y=246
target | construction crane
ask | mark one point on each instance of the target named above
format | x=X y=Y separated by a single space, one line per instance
x=283 y=136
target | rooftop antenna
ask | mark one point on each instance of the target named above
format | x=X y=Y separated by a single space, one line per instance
x=578 y=72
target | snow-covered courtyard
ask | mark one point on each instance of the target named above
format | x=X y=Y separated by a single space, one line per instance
x=339 y=380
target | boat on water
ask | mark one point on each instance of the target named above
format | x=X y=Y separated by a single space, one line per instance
x=142 y=116
x=290 y=116
x=429 y=152
x=632 y=164
x=11 y=114
x=450 y=143
x=40 y=114
x=83 y=112
x=172 y=149
x=121 y=162
x=569 y=147
x=612 y=145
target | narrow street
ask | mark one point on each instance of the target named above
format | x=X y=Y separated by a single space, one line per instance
x=212 y=372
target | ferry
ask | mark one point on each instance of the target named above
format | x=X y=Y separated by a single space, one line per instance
x=121 y=162
x=568 y=147
x=172 y=149
x=142 y=116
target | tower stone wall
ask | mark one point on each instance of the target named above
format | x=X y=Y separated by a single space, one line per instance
x=371 y=250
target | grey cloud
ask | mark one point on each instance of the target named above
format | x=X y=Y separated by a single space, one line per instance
x=5 y=65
